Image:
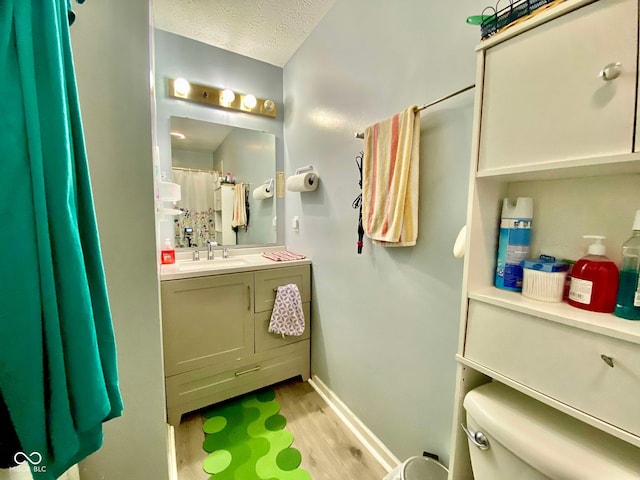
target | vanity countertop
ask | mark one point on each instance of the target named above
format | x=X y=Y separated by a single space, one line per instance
x=239 y=260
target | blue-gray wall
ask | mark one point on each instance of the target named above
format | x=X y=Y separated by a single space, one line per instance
x=192 y=159
x=385 y=323
x=111 y=49
x=177 y=56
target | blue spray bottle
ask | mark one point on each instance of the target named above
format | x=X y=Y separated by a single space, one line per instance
x=513 y=243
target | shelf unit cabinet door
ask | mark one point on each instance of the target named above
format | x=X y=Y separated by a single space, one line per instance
x=217 y=199
x=206 y=320
x=543 y=99
x=559 y=361
x=228 y=236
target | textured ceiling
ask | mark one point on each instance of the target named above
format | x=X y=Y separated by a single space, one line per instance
x=267 y=30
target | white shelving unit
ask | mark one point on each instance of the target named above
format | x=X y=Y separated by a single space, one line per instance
x=168 y=192
x=223 y=207
x=549 y=127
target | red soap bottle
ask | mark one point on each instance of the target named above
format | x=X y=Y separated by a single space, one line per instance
x=168 y=253
x=594 y=280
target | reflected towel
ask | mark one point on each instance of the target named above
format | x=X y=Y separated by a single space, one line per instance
x=239 y=217
x=287 y=317
x=390 y=180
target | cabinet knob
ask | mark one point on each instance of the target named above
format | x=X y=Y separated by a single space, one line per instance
x=610 y=71
x=607 y=359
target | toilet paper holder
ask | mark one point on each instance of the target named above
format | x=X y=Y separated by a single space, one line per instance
x=305 y=179
x=308 y=168
x=269 y=184
x=264 y=191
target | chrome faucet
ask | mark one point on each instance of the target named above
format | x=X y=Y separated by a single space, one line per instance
x=196 y=255
x=210 y=245
x=225 y=253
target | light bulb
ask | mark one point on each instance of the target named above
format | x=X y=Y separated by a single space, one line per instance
x=249 y=101
x=181 y=87
x=269 y=105
x=227 y=97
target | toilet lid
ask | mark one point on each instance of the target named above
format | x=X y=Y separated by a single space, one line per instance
x=423 y=468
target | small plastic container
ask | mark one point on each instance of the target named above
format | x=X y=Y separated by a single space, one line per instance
x=543 y=279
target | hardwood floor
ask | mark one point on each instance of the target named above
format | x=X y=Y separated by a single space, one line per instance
x=329 y=450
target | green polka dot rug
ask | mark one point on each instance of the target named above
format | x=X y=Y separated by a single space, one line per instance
x=246 y=440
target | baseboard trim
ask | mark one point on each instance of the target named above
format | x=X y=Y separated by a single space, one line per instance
x=171 y=453
x=372 y=443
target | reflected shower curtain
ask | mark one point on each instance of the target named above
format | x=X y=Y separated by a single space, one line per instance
x=58 y=375
x=197 y=205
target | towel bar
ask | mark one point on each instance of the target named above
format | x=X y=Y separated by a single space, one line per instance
x=427 y=105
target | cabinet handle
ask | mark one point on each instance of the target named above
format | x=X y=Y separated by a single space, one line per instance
x=607 y=359
x=249 y=297
x=610 y=71
x=249 y=370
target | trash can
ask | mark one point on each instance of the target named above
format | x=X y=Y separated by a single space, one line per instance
x=418 y=468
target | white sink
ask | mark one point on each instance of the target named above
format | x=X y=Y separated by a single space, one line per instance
x=197 y=265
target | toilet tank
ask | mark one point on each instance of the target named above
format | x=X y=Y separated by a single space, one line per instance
x=532 y=441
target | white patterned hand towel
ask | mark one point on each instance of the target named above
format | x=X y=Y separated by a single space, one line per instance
x=287 y=317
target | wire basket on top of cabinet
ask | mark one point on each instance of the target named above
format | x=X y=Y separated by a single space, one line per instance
x=517 y=11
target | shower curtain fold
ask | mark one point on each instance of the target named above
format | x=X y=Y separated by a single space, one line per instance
x=58 y=372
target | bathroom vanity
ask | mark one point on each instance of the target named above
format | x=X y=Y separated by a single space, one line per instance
x=215 y=318
x=556 y=119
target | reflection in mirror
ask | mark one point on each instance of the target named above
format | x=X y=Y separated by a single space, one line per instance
x=218 y=168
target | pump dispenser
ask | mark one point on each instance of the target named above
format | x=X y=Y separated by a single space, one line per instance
x=168 y=253
x=594 y=279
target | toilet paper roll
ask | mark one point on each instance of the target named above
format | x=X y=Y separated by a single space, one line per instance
x=262 y=192
x=303 y=182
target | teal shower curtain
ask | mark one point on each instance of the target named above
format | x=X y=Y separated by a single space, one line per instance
x=58 y=374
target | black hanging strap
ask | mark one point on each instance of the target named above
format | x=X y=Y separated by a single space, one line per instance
x=357 y=203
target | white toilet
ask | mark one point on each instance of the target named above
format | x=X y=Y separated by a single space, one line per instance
x=512 y=436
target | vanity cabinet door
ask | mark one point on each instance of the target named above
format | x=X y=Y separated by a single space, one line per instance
x=268 y=281
x=543 y=99
x=267 y=341
x=206 y=320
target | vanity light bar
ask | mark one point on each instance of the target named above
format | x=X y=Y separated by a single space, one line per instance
x=214 y=97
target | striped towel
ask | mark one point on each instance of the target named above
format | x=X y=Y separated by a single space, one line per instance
x=282 y=256
x=239 y=217
x=390 y=180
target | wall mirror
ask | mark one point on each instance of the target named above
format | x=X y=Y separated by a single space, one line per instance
x=219 y=167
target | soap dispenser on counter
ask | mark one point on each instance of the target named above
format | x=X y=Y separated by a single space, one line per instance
x=594 y=280
x=168 y=253
x=628 y=301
